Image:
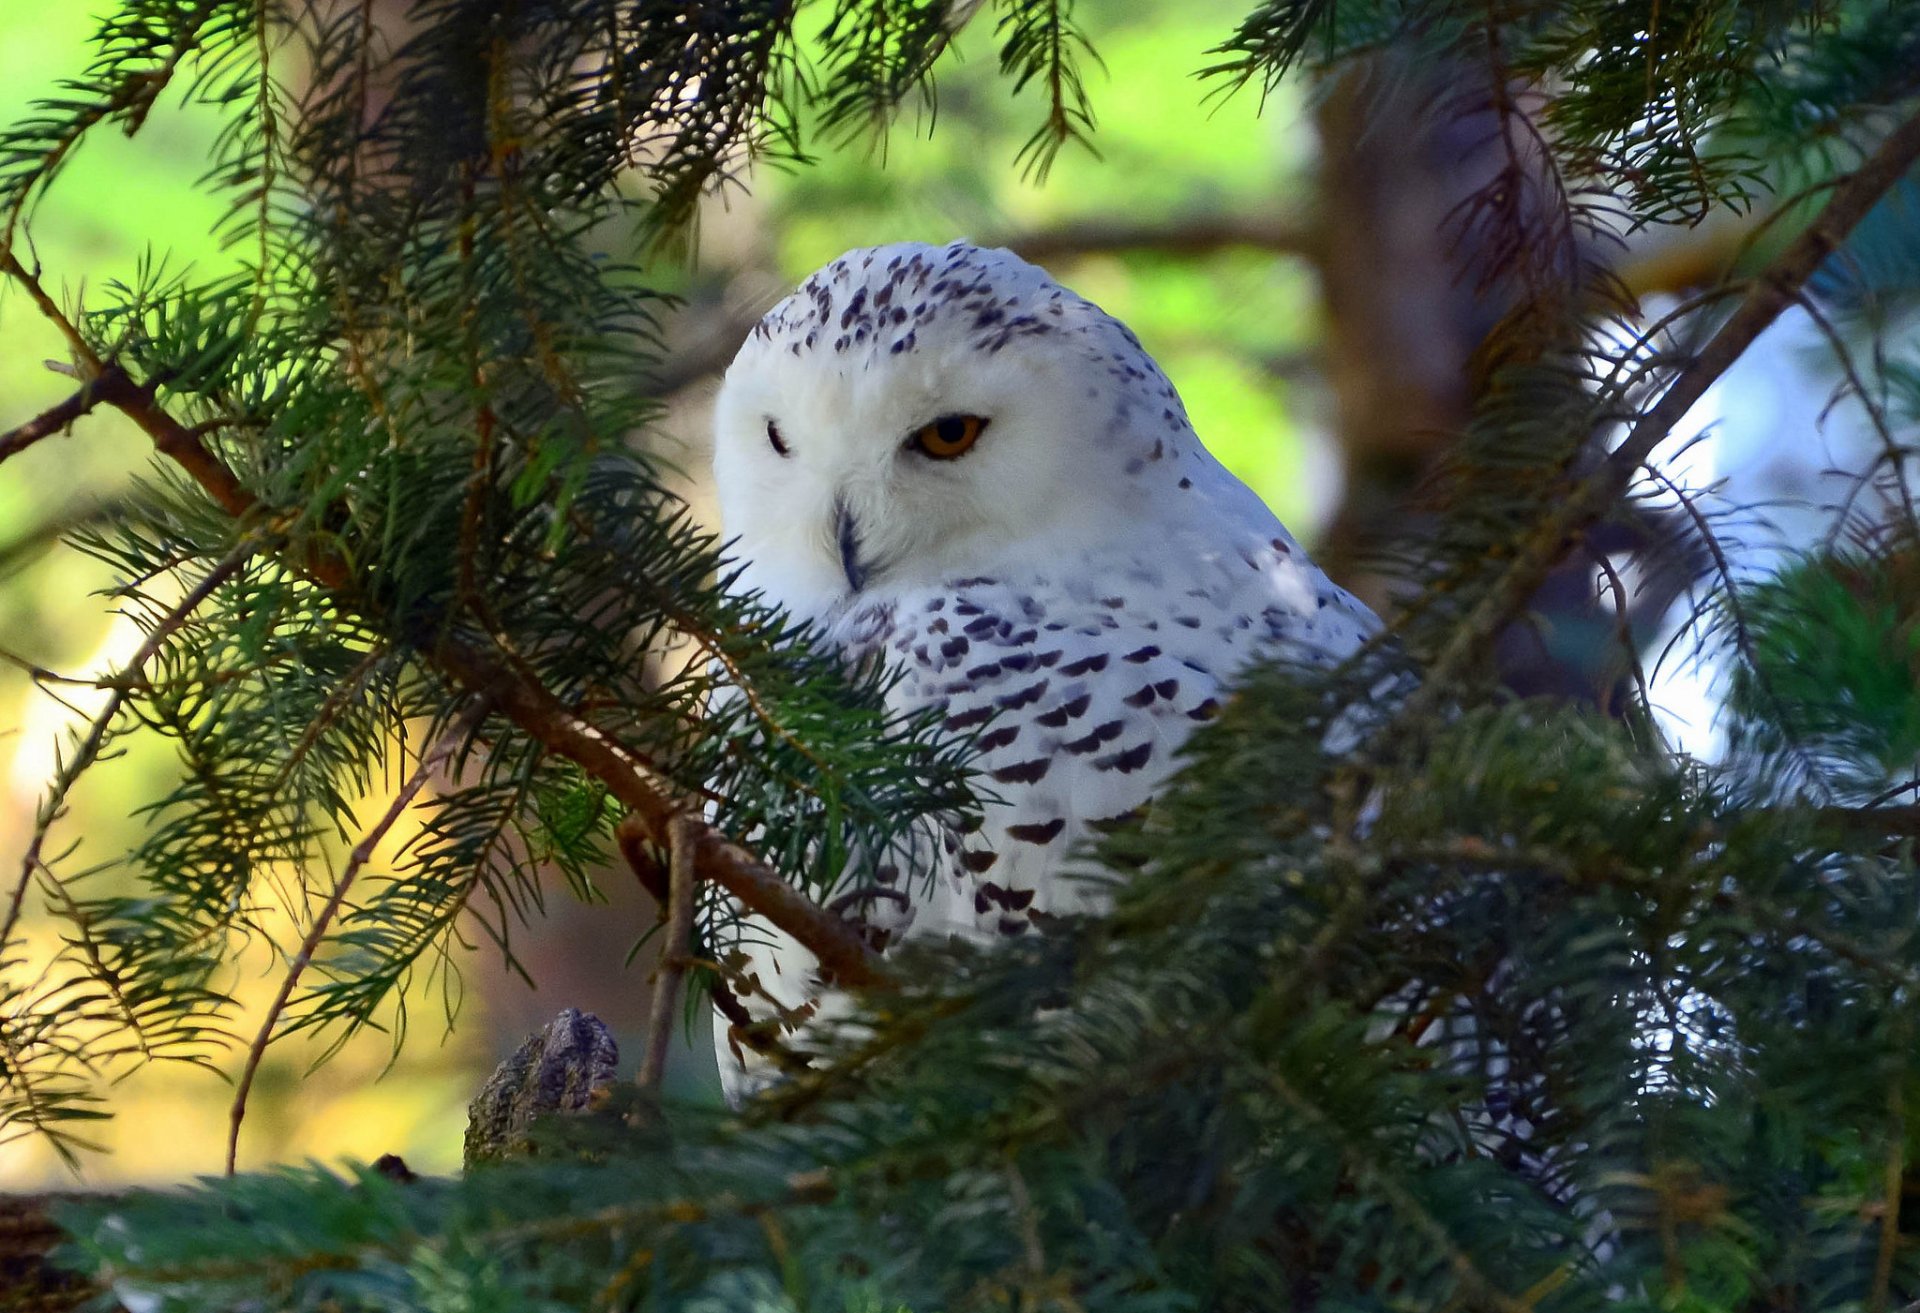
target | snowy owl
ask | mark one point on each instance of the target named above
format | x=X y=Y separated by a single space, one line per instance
x=941 y=456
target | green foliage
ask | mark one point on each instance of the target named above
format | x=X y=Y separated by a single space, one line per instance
x=1413 y=996
x=420 y=373
x=1835 y=668
x=1234 y=1093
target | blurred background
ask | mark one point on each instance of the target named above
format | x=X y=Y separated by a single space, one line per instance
x=1290 y=262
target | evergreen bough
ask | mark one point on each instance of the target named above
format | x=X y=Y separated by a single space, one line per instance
x=1414 y=995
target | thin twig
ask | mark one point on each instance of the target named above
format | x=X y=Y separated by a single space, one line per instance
x=708 y=335
x=1184 y=235
x=1623 y=631
x=42 y=675
x=1589 y=501
x=363 y=851
x=55 y=419
x=1892 y=454
x=122 y=684
x=682 y=881
x=45 y=304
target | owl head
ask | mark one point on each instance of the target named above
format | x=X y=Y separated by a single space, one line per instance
x=916 y=413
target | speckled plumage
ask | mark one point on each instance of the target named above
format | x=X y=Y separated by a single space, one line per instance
x=1080 y=588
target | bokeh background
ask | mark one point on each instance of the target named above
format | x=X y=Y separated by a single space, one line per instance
x=1287 y=259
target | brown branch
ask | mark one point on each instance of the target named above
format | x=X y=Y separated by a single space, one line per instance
x=681 y=884
x=110 y=384
x=836 y=945
x=357 y=860
x=1892 y=822
x=1183 y=235
x=1776 y=288
x=30 y=283
x=56 y=419
x=183 y=446
x=516 y=694
x=709 y=334
x=742 y=1025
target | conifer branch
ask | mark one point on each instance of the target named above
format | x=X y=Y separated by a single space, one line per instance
x=55 y=419
x=184 y=447
x=120 y=687
x=1364 y=1163
x=107 y=382
x=836 y=945
x=1892 y=822
x=432 y=760
x=625 y=773
x=49 y=309
x=1772 y=291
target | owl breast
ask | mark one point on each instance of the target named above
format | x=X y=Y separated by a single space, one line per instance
x=1079 y=687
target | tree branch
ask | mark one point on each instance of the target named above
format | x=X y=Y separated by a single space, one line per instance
x=122 y=684
x=1776 y=288
x=57 y=419
x=183 y=446
x=1185 y=234
x=49 y=309
x=831 y=940
x=714 y=330
x=681 y=883
x=1892 y=822
x=520 y=698
x=362 y=853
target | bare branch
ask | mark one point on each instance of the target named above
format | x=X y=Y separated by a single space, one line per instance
x=56 y=419
x=713 y=332
x=1185 y=235
x=681 y=885
x=30 y=283
x=1889 y=822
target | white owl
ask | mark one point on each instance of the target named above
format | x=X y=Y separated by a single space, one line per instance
x=940 y=455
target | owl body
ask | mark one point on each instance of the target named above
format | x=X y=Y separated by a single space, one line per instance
x=953 y=464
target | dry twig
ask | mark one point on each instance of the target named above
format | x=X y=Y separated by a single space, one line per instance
x=681 y=885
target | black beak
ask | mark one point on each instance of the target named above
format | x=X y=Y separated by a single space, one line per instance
x=848 y=536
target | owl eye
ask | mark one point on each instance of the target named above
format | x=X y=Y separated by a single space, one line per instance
x=949 y=436
x=779 y=443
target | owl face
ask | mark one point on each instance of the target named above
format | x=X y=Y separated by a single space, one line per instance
x=915 y=413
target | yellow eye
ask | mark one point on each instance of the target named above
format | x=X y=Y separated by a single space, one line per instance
x=949 y=436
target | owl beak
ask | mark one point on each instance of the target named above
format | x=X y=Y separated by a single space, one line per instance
x=847 y=534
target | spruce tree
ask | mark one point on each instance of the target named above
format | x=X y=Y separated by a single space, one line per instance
x=1415 y=994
